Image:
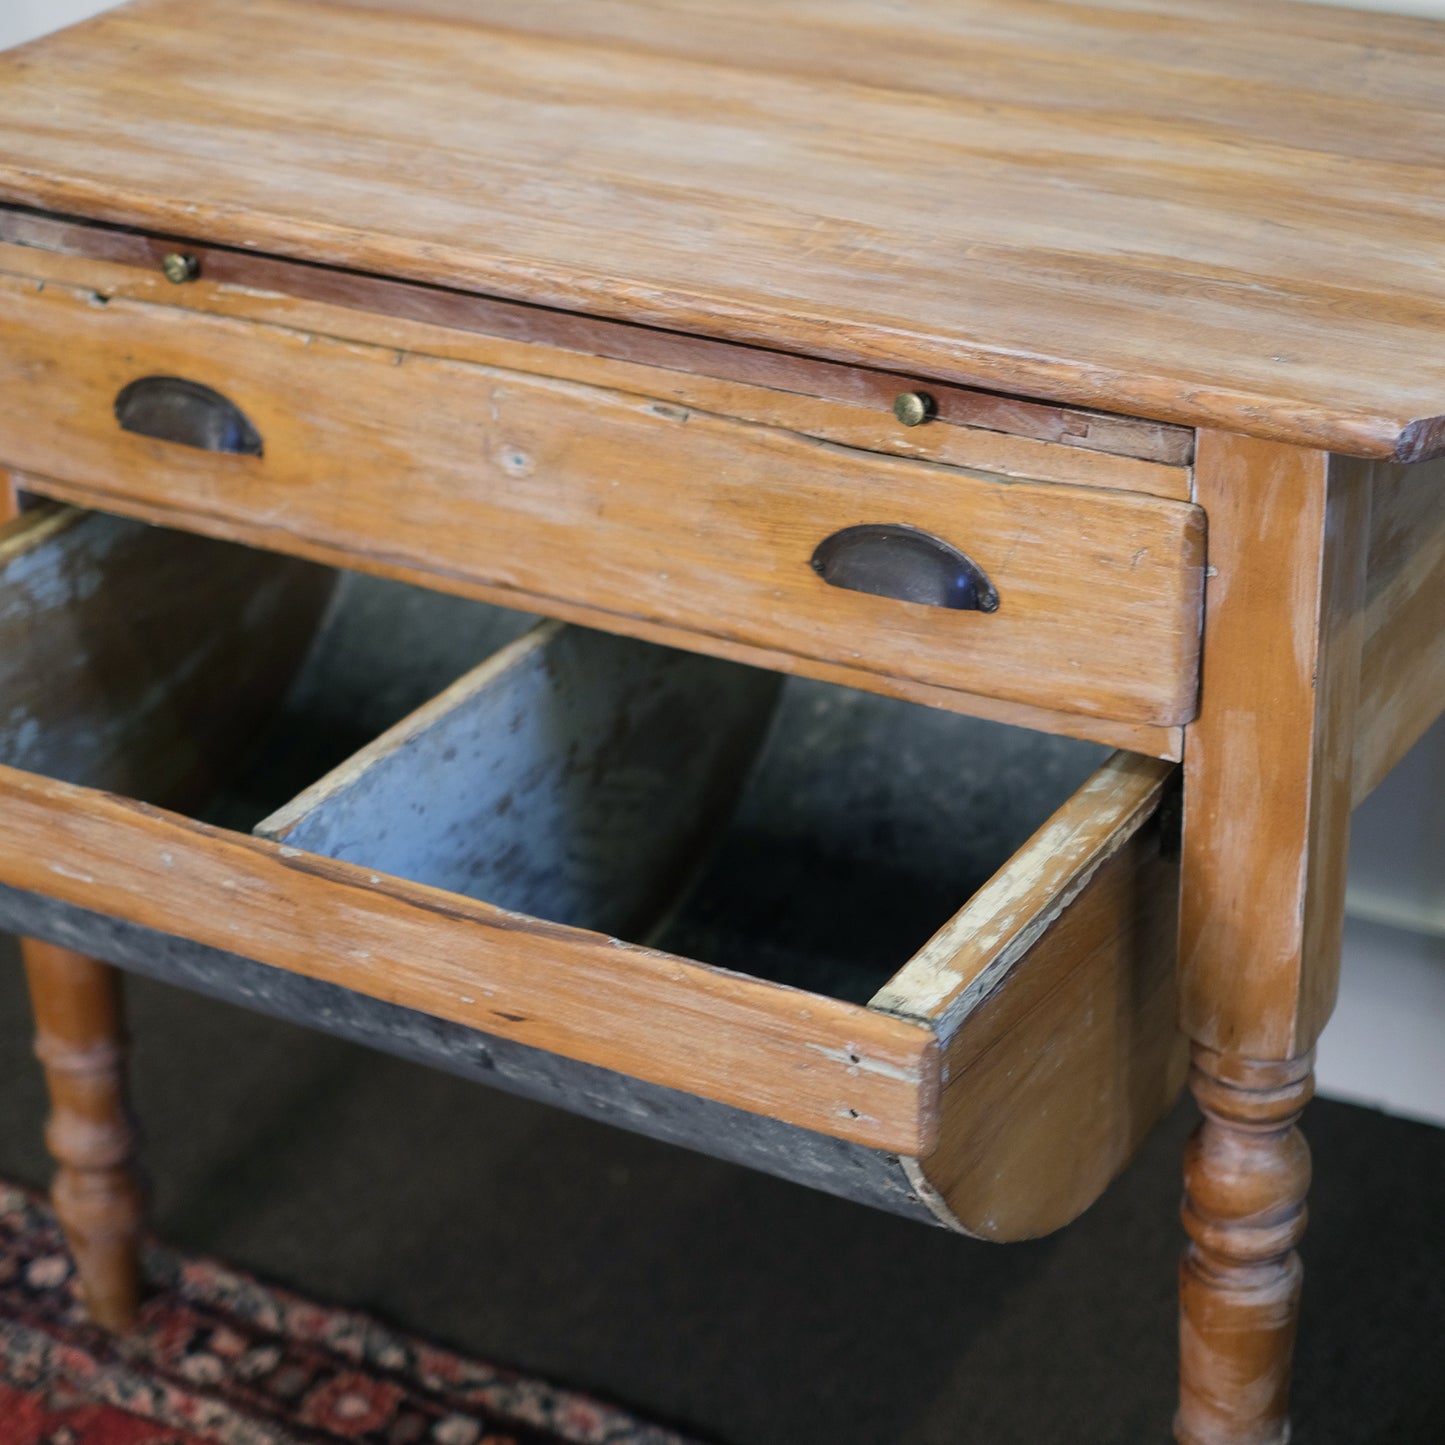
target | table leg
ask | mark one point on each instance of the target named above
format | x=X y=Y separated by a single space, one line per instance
x=97 y=1192
x=1246 y=1175
x=1267 y=799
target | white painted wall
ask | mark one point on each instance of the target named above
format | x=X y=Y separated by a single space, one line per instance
x=25 y=19
x=1435 y=8
x=1386 y=1044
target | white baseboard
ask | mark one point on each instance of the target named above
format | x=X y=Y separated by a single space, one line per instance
x=1385 y=1046
x=1411 y=915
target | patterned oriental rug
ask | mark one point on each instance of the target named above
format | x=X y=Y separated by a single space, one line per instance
x=218 y=1358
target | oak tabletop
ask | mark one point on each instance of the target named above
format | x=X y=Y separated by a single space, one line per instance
x=1215 y=212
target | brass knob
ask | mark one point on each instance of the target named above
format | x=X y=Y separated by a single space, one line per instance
x=913 y=408
x=180 y=268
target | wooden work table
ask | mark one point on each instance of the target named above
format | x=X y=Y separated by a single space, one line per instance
x=1073 y=367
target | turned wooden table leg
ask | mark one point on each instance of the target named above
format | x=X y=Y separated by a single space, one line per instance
x=1268 y=788
x=1246 y=1174
x=97 y=1192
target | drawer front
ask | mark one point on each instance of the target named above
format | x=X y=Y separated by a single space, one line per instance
x=624 y=510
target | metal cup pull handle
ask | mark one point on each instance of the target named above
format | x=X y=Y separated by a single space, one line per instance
x=890 y=559
x=172 y=409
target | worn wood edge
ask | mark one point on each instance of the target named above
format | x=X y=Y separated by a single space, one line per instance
x=517 y=653
x=1105 y=431
x=963 y=961
x=932 y=1199
x=1057 y=379
x=1150 y=739
x=148 y=866
x=28 y=530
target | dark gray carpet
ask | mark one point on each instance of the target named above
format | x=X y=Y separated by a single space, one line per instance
x=751 y=1311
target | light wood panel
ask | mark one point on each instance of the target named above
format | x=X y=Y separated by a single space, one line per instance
x=1402 y=673
x=630 y=508
x=963 y=961
x=1216 y=215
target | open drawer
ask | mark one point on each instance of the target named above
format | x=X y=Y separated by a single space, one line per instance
x=913 y=958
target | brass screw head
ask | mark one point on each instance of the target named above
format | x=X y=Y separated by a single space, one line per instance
x=180 y=268
x=914 y=408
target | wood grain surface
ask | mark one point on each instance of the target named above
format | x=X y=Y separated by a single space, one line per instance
x=643 y=510
x=1143 y=738
x=819 y=1161
x=1222 y=214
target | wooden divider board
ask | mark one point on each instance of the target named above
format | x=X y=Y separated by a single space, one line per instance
x=572 y=776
